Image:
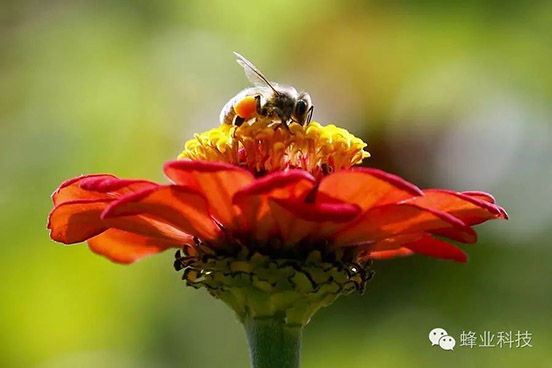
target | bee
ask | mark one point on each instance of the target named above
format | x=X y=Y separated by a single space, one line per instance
x=266 y=100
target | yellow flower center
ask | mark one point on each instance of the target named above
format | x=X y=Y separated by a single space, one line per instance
x=263 y=147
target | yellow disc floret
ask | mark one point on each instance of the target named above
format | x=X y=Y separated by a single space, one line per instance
x=264 y=146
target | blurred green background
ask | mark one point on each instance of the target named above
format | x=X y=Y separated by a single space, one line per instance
x=447 y=94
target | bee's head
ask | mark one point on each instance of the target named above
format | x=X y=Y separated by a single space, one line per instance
x=303 y=109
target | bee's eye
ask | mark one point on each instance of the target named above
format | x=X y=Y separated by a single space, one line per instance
x=300 y=108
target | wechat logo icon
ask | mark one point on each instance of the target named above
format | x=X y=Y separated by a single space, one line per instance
x=439 y=336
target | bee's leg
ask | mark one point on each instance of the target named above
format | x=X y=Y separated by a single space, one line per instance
x=238 y=121
x=285 y=125
x=258 y=101
x=283 y=120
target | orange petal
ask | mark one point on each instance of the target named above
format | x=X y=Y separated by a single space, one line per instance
x=394 y=242
x=469 y=209
x=218 y=182
x=115 y=186
x=253 y=200
x=415 y=243
x=297 y=221
x=366 y=187
x=183 y=208
x=487 y=198
x=291 y=229
x=394 y=219
x=436 y=248
x=76 y=221
x=320 y=212
x=124 y=247
x=483 y=196
x=70 y=189
x=392 y=253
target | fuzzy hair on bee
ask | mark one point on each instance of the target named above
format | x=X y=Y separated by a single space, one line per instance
x=266 y=100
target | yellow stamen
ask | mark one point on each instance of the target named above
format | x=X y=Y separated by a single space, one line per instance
x=263 y=147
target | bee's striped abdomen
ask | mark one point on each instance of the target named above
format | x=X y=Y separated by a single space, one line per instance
x=228 y=114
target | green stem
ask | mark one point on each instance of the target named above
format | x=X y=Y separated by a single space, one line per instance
x=273 y=344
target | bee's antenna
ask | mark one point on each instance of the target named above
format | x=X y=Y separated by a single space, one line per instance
x=248 y=66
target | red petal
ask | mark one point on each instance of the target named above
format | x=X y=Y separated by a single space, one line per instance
x=100 y=186
x=367 y=187
x=320 y=212
x=418 y=243
x=297 y=221
x=392 y=253
x=70 y=189
x=124 y=247
x=394 y=242
x=487 y=198
x=469 y=209
x=218 y=182
x=282 y=184
x=436 y=248
x=181 y=207
x=253 y=200
x=114 y=186
x=75 y=221
x=394 y=219
x=481 y=196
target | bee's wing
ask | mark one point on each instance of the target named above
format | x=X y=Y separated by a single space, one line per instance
x=252 y=73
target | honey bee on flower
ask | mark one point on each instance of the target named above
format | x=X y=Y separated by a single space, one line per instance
x=266 y=100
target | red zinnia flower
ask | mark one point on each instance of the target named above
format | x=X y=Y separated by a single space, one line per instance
x=225 y=205
x=276 y=223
